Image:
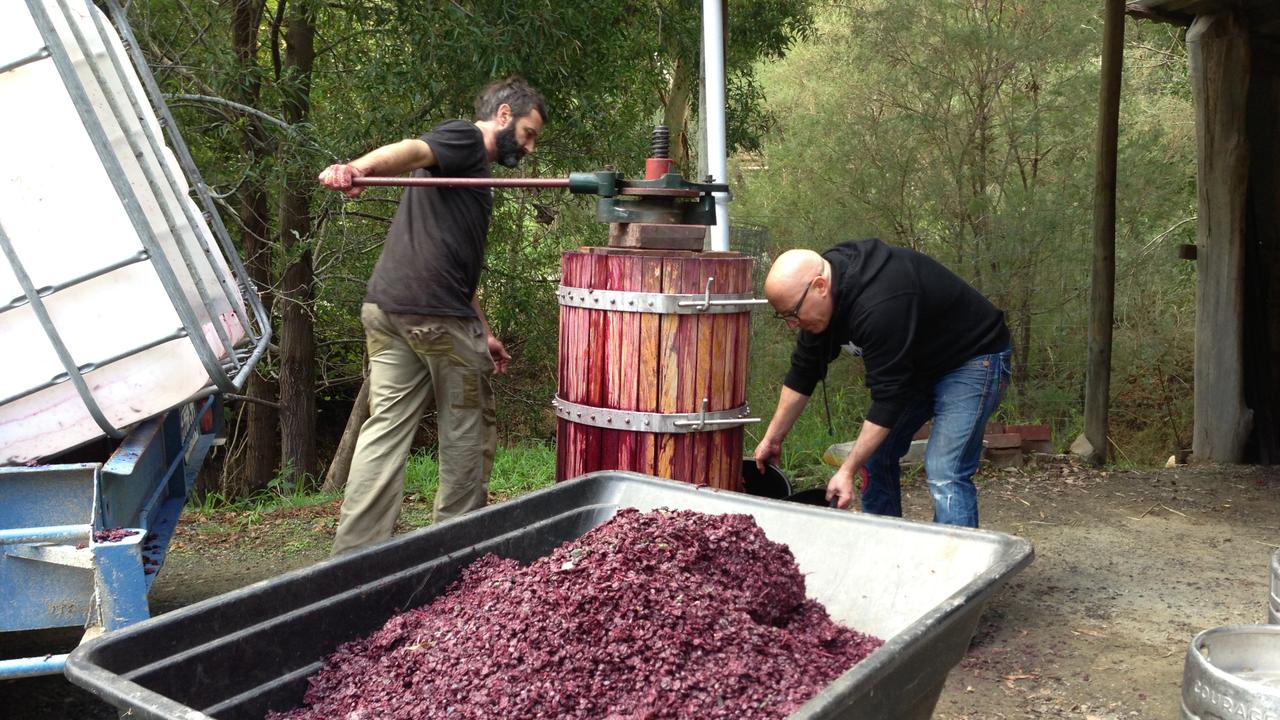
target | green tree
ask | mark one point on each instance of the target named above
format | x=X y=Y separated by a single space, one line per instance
x=965 y=130
x=268 y=92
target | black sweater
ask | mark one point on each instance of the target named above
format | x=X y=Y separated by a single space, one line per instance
x=913 y=320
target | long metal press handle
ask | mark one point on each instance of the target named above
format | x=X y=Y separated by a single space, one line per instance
x=370 y=181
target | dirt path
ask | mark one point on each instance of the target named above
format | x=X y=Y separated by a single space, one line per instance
x=1129 y=566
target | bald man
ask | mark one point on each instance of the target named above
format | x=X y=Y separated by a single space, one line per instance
x=933 y=347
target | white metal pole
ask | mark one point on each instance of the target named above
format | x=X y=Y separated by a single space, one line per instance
x=717 y=163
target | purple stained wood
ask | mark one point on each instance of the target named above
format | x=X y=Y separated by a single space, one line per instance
x=663 y=363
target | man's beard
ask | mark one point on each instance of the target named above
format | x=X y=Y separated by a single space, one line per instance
x=509 y=151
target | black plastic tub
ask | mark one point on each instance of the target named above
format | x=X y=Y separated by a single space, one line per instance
x=771 y=483
x=920 y=587
x=812 y=496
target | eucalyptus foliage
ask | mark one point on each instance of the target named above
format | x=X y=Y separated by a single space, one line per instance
x=389 y=69
x=966 y=130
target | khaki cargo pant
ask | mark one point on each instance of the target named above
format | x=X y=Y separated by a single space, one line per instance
x=415 y=362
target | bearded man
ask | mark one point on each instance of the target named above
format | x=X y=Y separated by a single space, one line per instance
x=933 y=348
x=428 y=342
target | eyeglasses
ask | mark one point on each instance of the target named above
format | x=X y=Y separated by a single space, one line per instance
x=795 y=311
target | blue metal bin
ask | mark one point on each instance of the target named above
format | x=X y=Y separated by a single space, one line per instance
x=53 y=573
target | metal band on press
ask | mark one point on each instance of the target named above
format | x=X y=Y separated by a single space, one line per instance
x=636 y=421
x=659 y=303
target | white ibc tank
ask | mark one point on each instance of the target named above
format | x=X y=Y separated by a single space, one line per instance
x=130 y=279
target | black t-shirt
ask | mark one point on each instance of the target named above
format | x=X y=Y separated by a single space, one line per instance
x=434 y=251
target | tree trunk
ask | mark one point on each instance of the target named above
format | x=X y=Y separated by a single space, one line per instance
x=262 y=447
x=1022 y=346
x=675 y=115
x=1218 y=53
x=1102 y=295
x=297 y=346
x=979 y=212
x=262 y=444
x=340 y=468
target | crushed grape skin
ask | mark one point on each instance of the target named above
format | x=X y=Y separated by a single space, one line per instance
x=664 y=614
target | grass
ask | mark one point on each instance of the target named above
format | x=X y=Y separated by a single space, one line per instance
x=279 y=494
x=517 y=470
x=291 y=518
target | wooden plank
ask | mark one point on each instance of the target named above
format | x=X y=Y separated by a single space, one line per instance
x=639 y=252
x=562 y=376
x=562 y=354
x=593 y=347
x=669 y=339
x=721 y=354
x=738 y=385
x=564 y=429
x=734 y=370
x=610 y=342
x=572 y=359
x=650 y=236
x=704 y=368
x=687 y=399
x=632 y=278
x=647 y=384
x=743 y=380
x=581 y=364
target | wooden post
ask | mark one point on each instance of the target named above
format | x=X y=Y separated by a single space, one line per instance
x=1093 y=443
x=1218 y=53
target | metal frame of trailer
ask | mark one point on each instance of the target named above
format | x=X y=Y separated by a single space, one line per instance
x=57 y=570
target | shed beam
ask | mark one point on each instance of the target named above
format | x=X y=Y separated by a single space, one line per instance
x=1139 y=11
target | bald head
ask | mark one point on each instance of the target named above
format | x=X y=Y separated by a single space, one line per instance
x=791 y=274
x=799 y=289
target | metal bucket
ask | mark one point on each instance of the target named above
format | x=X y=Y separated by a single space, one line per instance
x=1273 y=607
x=1231 y=672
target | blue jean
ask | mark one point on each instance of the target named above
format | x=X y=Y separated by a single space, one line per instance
x=960 y=403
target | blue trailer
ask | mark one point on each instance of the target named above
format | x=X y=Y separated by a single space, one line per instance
x=110 y=398
x=60 y=565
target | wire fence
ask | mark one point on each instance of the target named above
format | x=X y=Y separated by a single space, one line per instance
x=752 y=240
